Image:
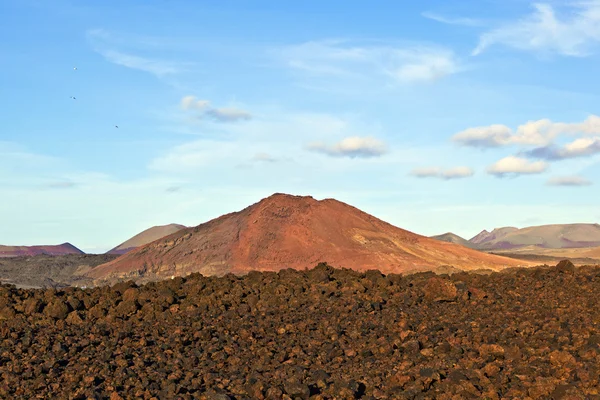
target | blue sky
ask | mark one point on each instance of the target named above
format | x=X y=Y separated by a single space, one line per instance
x=436 y=116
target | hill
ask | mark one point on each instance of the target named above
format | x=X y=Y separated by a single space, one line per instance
x=488 y=237
x=454 y=238
x=556 y=236
x=284 y=231
x=145 y=237
x=53 y=250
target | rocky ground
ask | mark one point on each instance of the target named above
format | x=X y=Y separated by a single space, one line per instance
x=321 y=334
x=46 y=271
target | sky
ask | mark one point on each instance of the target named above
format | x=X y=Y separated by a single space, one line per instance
x=435 y=116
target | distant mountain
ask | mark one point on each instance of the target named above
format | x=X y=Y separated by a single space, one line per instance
x=486 y=237
x=52 y=250
x=454 y=238
x=284 y=231
x=145 y=237
x=557 y=236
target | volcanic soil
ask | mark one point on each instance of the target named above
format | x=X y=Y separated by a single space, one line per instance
x=324 y=333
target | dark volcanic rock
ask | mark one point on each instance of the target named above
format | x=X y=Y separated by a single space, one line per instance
x=439 y=289
x=57 y=309
x=319 y=334
x=565 y=266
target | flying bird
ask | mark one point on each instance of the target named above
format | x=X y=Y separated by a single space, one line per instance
x=116 y=126
x=75 y=68
x=73 y=97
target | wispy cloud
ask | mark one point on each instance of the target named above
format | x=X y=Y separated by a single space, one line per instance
x=533 y=133
x=446 y=174
x=223 y=114
x=343 y=59
x=514 y=166
x=568 y=181
x=544 y=31
x=355 y=146
x=579 y=148
x=157 y=67
x=107 y=46
x=452 y=20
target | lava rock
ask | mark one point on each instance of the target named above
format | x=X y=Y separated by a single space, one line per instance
x=438 y=289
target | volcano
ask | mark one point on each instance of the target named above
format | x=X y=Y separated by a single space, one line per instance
x=285 y=231
x=145 y=237
x=51 y=250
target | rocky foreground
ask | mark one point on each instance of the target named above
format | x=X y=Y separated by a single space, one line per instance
x=320 y=334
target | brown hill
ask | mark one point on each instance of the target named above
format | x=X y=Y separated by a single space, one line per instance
x=558 y=236
x=56 y=250
x=284 y=231
x=454 y=238
x=145 y=237
x=488 y=237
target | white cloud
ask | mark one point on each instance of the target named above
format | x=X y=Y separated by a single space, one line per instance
x=224 y=114
x=545 y=32
x=532 y=133
x=452 y=20
x=484 y=136
x=190 y=102
x=354 y=146
x=512 y=165
x=342 y=59
x=457 y=172
x=447 y=174
x=568 y=181
x=578 y=148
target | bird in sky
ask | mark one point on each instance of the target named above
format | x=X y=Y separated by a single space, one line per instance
x=75 y=69
x=73 y=97
x=116 y=126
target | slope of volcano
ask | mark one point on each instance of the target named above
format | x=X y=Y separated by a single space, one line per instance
x=285 y=231
x=145 y=237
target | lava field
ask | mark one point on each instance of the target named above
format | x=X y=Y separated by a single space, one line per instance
x=323 y=333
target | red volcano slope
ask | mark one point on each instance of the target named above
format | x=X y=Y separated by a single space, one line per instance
x=284 y=231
